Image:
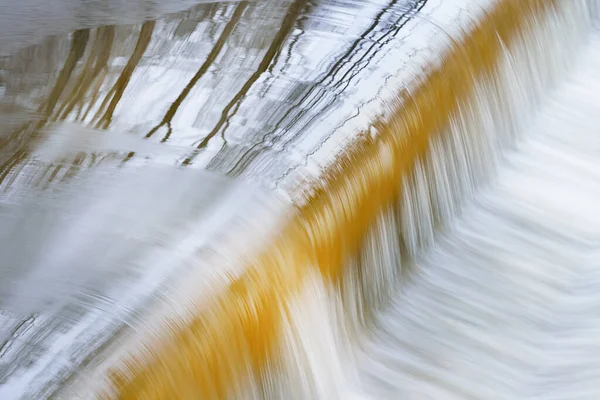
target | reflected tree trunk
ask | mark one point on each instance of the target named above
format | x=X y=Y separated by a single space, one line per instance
x=216 y=50
x=79 y=42
x=97 y=62
x=231 y=108
x=108 y=106
x=78 y=45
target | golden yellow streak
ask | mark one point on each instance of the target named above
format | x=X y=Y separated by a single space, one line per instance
x=236 y=335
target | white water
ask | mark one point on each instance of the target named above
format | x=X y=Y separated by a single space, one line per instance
x=104 y=257
x=494 y=293
x=505 y=304
x=501 y=304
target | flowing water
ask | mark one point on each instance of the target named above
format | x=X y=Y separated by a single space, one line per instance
x=102 y=102
x=502 y=306
x=149 y=152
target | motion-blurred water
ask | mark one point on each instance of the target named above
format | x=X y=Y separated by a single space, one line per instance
x=107 y=110
x=148 y=147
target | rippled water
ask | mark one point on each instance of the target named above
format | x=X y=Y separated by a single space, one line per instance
x=107 y=108
x=241 y=88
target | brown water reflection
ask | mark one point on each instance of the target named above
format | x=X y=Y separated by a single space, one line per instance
x=240 y=84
